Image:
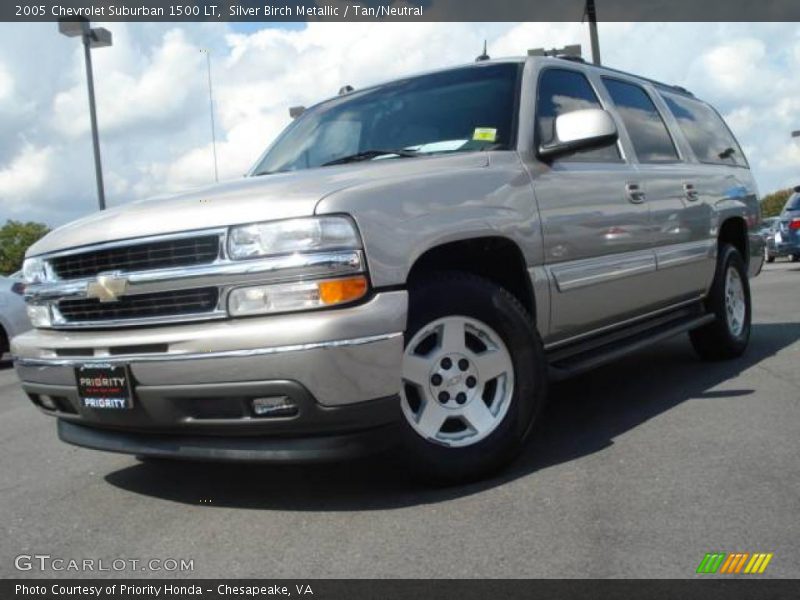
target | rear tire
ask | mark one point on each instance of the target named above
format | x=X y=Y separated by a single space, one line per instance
x=770 y=259
x=4 y=344
x=795 y=257
x=474 y=378
x=729 y=300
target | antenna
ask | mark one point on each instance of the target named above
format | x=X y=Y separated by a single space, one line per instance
x=207 y=52
x=483 y=56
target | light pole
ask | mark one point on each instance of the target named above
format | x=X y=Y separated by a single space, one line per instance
x=97 y=37
x=591 y=14
x=207 y=52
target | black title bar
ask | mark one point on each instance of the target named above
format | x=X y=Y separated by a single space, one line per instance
x=399 y=10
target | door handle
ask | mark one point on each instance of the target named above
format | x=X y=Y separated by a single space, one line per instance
x=634 y=193
x=690 y=192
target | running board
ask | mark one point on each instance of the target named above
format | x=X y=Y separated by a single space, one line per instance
x=585 y=356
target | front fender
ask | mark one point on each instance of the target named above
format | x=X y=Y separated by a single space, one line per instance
x=400 y=219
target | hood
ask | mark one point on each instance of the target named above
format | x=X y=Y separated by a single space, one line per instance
x=248 y=200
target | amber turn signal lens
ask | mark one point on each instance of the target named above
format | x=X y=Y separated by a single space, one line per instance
x=337 y=291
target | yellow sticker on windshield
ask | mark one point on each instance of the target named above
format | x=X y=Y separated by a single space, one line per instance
x=485 y=134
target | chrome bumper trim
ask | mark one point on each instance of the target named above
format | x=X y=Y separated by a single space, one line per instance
x=166 y=357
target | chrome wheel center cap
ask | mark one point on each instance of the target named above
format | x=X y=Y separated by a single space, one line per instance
x=453 y=380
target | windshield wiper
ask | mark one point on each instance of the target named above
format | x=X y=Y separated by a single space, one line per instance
x=369 y=154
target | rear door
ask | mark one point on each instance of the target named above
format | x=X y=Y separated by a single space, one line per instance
x=719 y=170
x=680 y=215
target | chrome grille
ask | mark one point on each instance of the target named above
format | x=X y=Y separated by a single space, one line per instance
x=164 y=254
x=141 y=306
x=165 y=279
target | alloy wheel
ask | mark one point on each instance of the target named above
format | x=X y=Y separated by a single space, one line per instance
x=458 y=381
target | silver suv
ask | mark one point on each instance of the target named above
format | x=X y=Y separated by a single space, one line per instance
x=407 y=265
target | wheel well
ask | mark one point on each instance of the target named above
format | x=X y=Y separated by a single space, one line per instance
x=734 y=232
x=495 y=258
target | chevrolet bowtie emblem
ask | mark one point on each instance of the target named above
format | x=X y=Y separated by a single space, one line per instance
x=107 y=288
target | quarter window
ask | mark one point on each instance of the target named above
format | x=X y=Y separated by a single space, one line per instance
x=562 y=91
x=646 y=128
x=709 y=137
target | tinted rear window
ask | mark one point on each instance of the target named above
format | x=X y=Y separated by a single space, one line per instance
x=709 y=137
x=649 y=135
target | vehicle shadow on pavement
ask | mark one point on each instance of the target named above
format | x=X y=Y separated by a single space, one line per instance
x=584 y=416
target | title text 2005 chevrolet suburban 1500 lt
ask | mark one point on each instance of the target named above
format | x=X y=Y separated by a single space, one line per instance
x=407 y=264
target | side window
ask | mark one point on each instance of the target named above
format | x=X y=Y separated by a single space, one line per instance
x=649 y=135
x=562 y=91
x=709 y=137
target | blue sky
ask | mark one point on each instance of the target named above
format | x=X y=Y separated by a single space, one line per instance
x=153 y=98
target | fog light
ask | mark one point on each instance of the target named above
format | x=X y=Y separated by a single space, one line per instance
x=47 y=402
x=39 y=315
x=274 y=406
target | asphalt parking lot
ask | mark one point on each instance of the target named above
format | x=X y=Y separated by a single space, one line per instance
x=636 y=470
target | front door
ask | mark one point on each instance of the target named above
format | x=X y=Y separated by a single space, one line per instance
x=595 y=221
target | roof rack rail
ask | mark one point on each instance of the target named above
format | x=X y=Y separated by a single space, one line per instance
x=660 y=84
x=681 y=89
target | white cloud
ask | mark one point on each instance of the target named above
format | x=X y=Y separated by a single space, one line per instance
x=153 y=99
x=736 y=67
x=153 y=92
x=24 y=175
x=6 y=83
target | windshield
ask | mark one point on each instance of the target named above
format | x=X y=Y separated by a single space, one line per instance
x=461 y=110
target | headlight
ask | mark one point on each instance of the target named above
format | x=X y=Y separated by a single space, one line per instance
x=292 y=235
x=303 y=295
x=33 y=270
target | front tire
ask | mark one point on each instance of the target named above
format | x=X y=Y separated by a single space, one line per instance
x=729 y=300
x=474 y=378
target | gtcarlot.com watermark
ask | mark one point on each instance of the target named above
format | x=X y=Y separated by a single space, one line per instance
x=58 y=564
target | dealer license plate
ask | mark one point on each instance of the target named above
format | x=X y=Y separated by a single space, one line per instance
x=106 y=387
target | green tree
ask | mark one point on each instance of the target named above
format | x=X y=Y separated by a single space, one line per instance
x=15 y=238
x=772 y=204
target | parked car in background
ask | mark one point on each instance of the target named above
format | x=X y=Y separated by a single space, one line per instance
x=13 y=315
x=785 y=236
x=768 y=228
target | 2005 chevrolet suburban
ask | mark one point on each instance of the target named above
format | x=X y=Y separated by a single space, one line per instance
x=407 y=264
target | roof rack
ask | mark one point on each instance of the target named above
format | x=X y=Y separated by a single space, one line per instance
x=570 y=52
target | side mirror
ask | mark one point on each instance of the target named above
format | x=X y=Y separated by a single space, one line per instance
x=580 y=130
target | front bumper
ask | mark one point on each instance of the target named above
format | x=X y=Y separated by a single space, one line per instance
x=379 y=421
x=195 y=382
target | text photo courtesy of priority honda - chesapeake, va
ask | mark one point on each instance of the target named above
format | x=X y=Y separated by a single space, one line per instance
x=331 y=299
